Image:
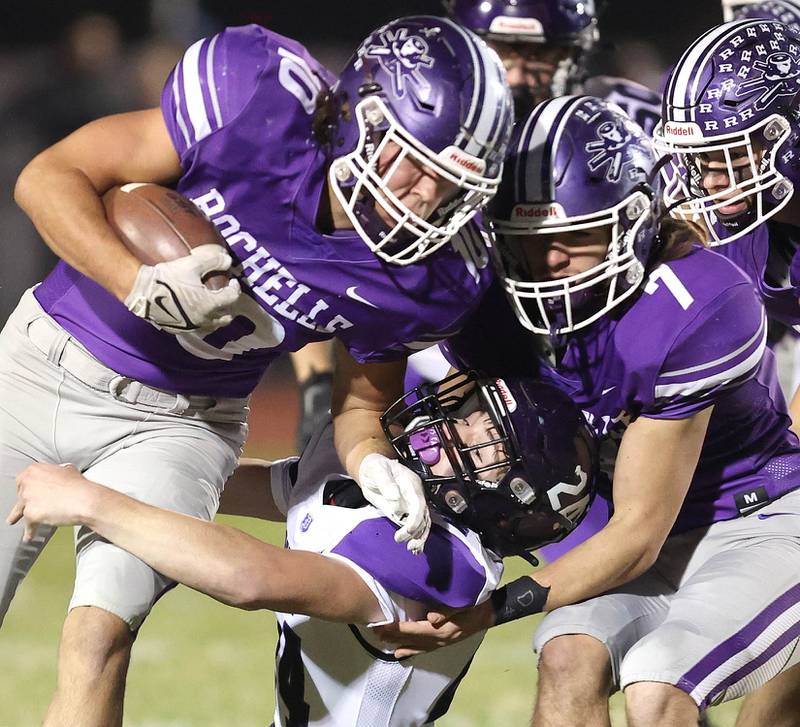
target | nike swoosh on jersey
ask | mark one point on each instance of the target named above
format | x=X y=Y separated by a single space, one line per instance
x=765 y=515
x=605 y=391
x=351 y=293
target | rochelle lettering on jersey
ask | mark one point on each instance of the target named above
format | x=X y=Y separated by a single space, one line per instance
x=265 y=274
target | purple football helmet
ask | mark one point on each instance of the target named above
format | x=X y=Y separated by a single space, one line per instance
x=527 y=482
x=570 y=24
x=576 y=163
x=784 y=11
x=732 y=123
x=438 y=94
x=555 y=22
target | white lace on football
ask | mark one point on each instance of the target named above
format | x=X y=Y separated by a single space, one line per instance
x=748 y=180
x=619 y=261
x=355 y=177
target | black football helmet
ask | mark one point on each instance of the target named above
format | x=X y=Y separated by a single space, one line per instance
x=531 y=479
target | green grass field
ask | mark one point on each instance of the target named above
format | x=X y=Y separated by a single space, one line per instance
x=200 y=664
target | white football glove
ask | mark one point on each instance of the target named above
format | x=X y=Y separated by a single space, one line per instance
x=172 y=296
x=397 y=492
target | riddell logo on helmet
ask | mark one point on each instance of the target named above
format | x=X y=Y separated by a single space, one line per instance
x=537 y=211
x=508 y=399
x=503 y=24
x=681 y=129
x=453 y=155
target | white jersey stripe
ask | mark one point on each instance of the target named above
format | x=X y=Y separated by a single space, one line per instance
x=690 y=388
x=211 y=80
x=194 y=92
x=176 y=98
x=717 y=362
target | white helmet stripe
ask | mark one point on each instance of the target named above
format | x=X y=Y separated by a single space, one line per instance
x=482 y=128
x=537 y=147
x=687 y=71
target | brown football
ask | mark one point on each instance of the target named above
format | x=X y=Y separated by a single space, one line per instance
x=157 y=225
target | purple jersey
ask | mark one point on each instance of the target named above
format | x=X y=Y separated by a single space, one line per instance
x=636 y=100
x=769 y=255
x=239 y=108
x=695 y=336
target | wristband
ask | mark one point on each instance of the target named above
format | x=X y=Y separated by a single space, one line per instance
x=520 y=598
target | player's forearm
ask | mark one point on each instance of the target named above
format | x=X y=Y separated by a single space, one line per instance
x=621 y=551
x=248 y=492
x=215 y=559
x=68 y=213
x=358 y=433
x=229 y=565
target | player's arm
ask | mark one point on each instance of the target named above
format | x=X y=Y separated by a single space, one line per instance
x=655 y=465
x=60 y=191
x=248 y=492
x=215 y=559
x=313 y=370
x=361 y=393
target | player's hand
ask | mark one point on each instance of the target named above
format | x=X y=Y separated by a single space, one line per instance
x=173 y=297
x=397 y=492
x=441 y=628
x=49 y=494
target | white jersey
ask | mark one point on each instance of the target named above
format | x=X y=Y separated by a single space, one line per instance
x=339 y=675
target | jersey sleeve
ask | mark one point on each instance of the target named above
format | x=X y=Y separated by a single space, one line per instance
x=449 y=572
x=212 y=83
x=217 y=77
x=720 y=348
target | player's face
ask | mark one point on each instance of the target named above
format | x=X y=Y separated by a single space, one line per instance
x=417 y=187
x=562 y=254
x=531 y=66
x=716 y=176
x=477 y=429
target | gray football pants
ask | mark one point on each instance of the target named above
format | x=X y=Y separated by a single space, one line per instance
x=59 y=404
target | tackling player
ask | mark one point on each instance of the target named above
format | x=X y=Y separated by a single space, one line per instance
x=507 y=465
x=344 y=204
x=689 y=595
x=740 y=168
x=544 y=46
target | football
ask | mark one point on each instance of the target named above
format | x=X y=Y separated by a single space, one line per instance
x=157 y=225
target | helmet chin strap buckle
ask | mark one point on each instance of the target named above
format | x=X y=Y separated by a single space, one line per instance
x=427 y=444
